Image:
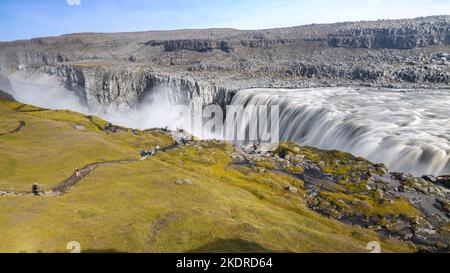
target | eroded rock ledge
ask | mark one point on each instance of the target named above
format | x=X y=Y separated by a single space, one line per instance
x=117 y=88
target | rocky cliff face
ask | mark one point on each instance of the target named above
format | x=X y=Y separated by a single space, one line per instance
x=207 y=45
x=118 y=70
x=193 y=45
x=122 y=89
x=397 y=37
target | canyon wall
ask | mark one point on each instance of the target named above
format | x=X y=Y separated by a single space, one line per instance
x=117 y=71
x=397 y=37
x=122 y=89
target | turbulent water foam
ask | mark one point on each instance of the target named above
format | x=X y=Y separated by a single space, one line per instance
x=409 y=131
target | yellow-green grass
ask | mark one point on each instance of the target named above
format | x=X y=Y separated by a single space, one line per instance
x=138 y=207
x=49 y=148
x=351 y=197
x=370 y=206
x=331 y=162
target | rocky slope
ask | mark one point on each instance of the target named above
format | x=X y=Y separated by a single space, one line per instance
x=213 y=196
x=6 y=96
x=356 y=191
x=403 y=35
x=116 y=70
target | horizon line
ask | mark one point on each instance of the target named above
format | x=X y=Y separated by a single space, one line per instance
x=219 y=28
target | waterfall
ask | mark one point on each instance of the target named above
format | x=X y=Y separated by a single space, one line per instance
x=408 y=131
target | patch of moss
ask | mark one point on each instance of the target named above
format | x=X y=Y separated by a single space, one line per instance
x=445 y=229
x=337 y=169
x=66 y=116
x=266 y=165
x=353 y=187
x=368 y=206
x=295 y=169
x=99 y=122
x=286 y=149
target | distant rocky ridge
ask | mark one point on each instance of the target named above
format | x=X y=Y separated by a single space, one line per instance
x=117 y=70
x=6 y=96
x=404 y=35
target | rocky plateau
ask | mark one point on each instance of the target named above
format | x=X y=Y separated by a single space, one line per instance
x=116 y=71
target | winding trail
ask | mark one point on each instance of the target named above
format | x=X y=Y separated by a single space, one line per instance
x=91 y=119
x=75 y=178
x=85 y=171
x=19 y=109
x=18 y=129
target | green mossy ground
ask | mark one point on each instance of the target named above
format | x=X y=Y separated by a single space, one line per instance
x=349 y=195
x=138 y=207
x=49 y=148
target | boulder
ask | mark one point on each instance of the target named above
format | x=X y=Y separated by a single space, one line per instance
x=430 y=178
x=79 y=127
x=444 y=180
x=182 y=182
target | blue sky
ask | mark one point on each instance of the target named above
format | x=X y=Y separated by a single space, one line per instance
x=21 y=19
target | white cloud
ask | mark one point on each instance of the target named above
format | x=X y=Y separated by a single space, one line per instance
x=73 y=2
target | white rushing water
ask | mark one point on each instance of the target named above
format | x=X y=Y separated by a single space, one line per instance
x=409 y=131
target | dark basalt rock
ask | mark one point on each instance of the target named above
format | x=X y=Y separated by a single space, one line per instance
x=444 y=181
x=404 y=35
x=6 y=96
x=197 y=45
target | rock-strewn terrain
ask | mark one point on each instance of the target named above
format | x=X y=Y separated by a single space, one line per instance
x=116 y=70
x=356 y=191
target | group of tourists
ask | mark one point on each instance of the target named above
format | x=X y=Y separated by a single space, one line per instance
x=150 y=152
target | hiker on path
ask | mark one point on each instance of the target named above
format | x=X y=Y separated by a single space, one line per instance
x=35 y=189
x=78 y=173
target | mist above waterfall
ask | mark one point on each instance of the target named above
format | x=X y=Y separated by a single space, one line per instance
x=153 y=111
x=409 y=131
x=43 y=90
